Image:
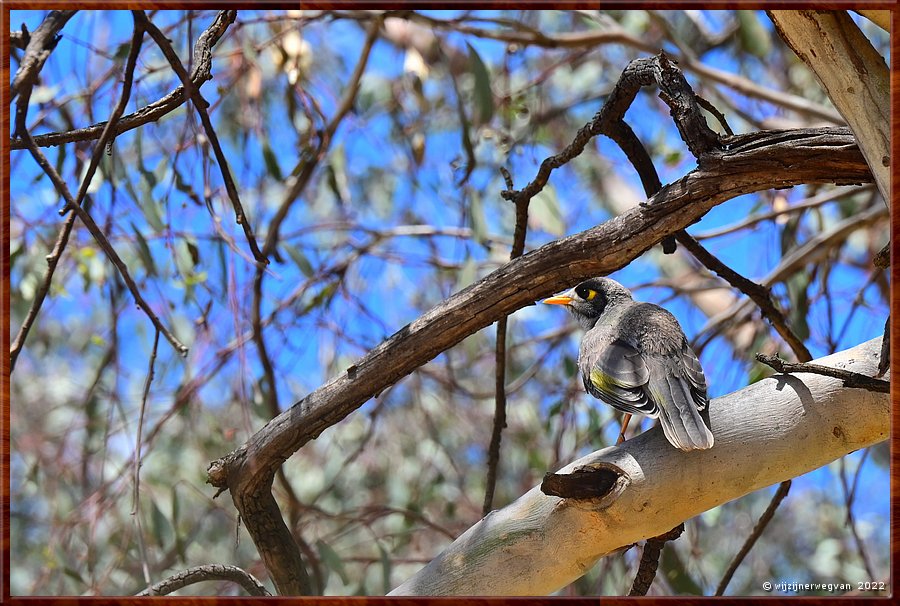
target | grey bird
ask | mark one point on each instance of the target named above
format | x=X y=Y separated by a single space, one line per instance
x=635 y=357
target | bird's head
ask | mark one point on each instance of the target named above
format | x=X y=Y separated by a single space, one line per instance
x=590 y=299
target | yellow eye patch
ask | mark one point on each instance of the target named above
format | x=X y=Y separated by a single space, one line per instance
x=591 y=294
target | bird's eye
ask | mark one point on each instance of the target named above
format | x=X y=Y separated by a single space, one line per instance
x=585 y=293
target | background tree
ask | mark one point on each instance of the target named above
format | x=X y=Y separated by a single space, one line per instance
x=363 y=152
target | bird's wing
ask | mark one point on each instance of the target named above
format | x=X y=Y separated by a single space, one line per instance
x=693 y=372
x=670 y=385
x=618 y=377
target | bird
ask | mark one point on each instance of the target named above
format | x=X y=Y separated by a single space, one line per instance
x=635 y=357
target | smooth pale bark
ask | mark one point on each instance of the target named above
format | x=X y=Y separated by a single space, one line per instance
x=880 y=18
x=773 y=430
x=853 y=74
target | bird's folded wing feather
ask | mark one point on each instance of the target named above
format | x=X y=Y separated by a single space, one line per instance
x=618 y=377
x=694 y=374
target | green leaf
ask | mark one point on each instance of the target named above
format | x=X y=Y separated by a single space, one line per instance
x=194 y=251
x=150 y=208
x=754 y=37
x=322 y=298
x=180 y=546
x=484 y=96
x=544 y=212
x=797 y=286
x=555 y=409
x=468 y=274
x=159 y=525
x=299 y=259
x=385 y=569
x=476 y=218
x=332 y=560
x=271 y=161
x=74 y=575
x=337 y=174
x=144 y=250
x=679 y=580
x=570 y=366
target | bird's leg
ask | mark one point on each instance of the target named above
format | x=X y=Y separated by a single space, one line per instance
x=625 y=420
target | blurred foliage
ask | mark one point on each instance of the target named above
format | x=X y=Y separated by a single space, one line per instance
x=402 y=211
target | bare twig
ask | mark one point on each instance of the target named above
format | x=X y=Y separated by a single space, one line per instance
x=74 y=204
x=208 y=572
x=200 y=104
x=157 y=109
x=615 y=34
x=813 y=202
x=850 y=379
x=499 y=424
x=809 y=252
x=40 y=44
x=759 y=294
x=650 y=560
x=136 y=473
x=764 y=519
x=849 y=493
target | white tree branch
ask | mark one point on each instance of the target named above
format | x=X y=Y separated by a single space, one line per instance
x=773 y=430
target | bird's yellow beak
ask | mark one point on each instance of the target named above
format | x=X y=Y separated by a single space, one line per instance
x=559 y=300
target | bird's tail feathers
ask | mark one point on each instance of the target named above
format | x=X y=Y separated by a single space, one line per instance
x=681 y=422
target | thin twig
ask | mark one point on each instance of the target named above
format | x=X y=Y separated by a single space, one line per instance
x=156 y=110
x=296 y=184
x=208 y=572
x=650 y=560
x=293 y=578
x=809 y=252
x=815 y=201
x=74 y=204
x=759 y=294
x=518 y=247
x=40 y=44
x=851 y=379
x=499 y=424
x=136 y=495
x=200 y=104
x=782 y=492
x=849 y=494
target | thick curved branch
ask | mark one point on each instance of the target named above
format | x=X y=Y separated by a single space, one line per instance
x=773 y=430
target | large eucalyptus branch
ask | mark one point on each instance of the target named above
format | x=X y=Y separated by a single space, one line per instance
x=770 y=431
